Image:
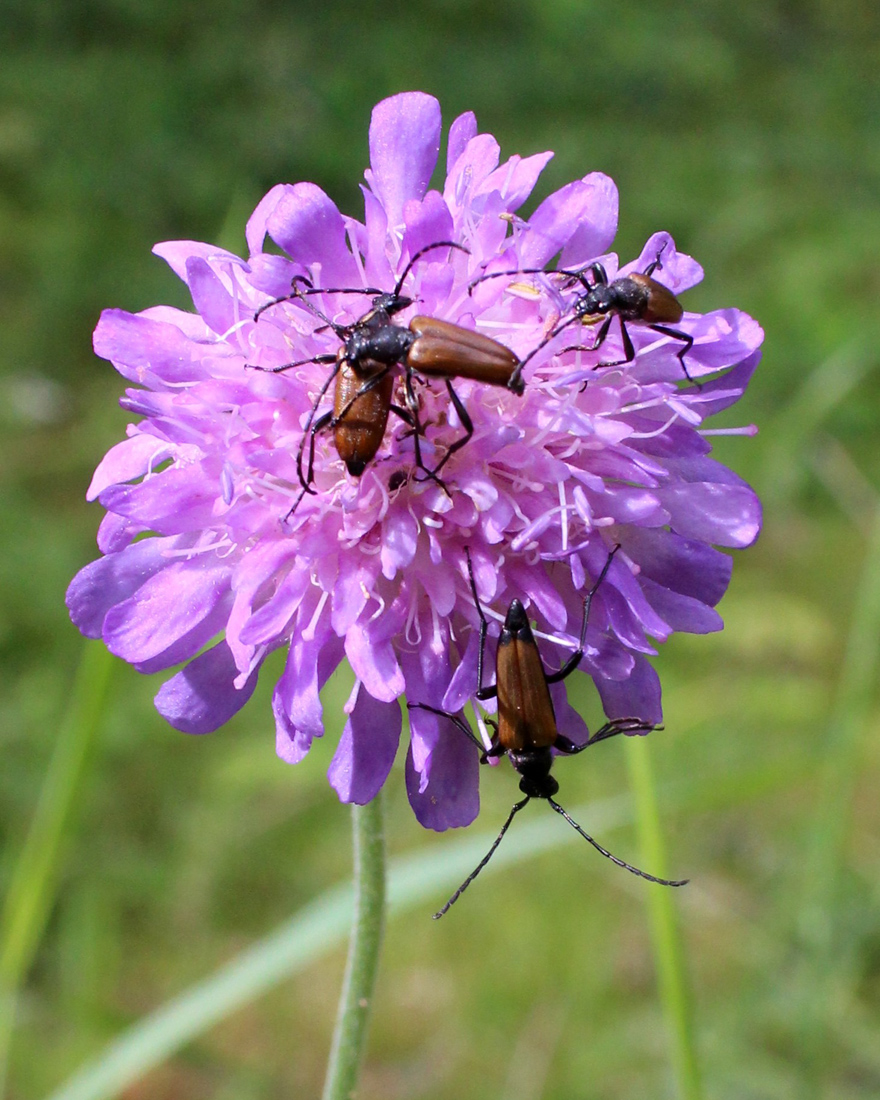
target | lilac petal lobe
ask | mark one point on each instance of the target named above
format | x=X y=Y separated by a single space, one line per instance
x=374 y=663
x=297 y=702
x=727 y=515
x=677 y=270
x=568 y=721
x=597 y=228
x=462 y=130
x=366 y=749
x=112 y=579
x=210 y=296
x=446 y=796
x=130 y=459
x=177 y=253
x=165 y=608
x=306 y=223
x=477 y=160
x=174 y=501
x=258 y=223
x=115 y=533
x=682 y=613
x=142 y=349
x=553 y=223
x=683 y=565
x=515 y=180
x=202 y=697
x=404 y=143
x=399 y=542
x=427 y=222
x=638 y=696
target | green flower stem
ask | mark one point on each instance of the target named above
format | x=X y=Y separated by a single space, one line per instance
x=665 y=933
x=356 y=1001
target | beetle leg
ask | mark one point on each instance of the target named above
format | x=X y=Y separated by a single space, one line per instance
x=318 y=425
x=293 y=507
x=309 y=431
x=456 y=720
x=575 y=659
x=412 y=404
x=610 y=729
x=412 y=418
x=483 y=693
x=466 y=423
x=404 y=414
x=687 y=341
x=370 y=384
x=652 y=267
x=328 y=358
x=629 y=352
x=515 y=382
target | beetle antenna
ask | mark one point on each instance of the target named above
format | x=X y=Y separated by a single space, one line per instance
x=491 y=692
x=340 y=330
x=286 y=297
x=651 y=268
x=500 y=274
x=420 y=253
x=589 y=597
x=575 y=659
x=479 y=867
x=605 y=852
x=516 y=377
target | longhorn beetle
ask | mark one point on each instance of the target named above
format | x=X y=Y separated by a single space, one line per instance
x=526 y=728
x=635 y=298
x=363 y=371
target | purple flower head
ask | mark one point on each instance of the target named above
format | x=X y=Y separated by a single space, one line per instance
x=200 y=542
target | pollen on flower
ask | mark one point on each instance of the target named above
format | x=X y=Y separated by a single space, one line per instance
x=231 y=513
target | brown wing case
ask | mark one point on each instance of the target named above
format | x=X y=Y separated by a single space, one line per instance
x=662 y=303
x=361 y=417
x=448 y=351
x=526 y=719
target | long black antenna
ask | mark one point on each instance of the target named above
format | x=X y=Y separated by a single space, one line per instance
x=613 y=858
x=418 y=255
x=479 y=867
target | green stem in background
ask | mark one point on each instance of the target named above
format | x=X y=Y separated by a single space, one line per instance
x=356 y=1002
x=665 y=932
x=28 y=903
x=420 y=879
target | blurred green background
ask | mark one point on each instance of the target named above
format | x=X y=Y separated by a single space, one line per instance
x=751 y=132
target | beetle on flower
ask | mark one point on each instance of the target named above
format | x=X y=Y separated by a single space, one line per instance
x=198 y=540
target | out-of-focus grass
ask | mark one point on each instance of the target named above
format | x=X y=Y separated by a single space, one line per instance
x=752 y=134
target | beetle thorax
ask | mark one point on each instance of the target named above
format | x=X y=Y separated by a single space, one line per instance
x=384 y=342
x=626 y=297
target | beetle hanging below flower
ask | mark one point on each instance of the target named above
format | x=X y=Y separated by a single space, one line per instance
x=526 y=730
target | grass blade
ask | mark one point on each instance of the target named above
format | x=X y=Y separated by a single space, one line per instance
x=31 y=893
x=672 y=979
